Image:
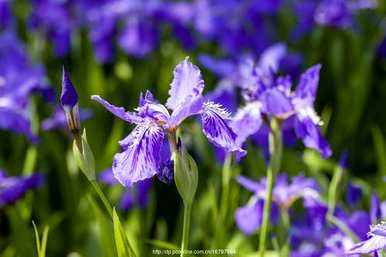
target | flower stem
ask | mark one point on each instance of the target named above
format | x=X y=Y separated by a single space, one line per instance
x=186 y=229
x=102 y=197
x=276 y=149
x=286 y=224
x=226 y=177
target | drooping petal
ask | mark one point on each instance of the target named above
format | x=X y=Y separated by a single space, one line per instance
x=370 y=245
x=141 y=157
x=248 y=218
x=249 y=184
x=187 y=84
x=311 y=136
x=118 y=111
x=214 y=124
x=248 y=121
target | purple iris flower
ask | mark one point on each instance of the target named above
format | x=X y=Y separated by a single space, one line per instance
x=19 y=79
x=333 y=13
x=143 y=148
x=12 y=188
x=54 y=20
x=137 y=195
x=248 y=218
x=269 y=96
x=376 y=241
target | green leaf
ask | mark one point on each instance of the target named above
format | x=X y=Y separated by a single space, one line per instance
x=124 y=248
x=163 y=244
x=85 y=160
x=41 y=246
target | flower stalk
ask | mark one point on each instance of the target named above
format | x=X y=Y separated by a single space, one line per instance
x=186 y=179
x=276 y=149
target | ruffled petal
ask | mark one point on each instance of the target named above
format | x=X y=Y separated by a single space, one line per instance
x=216 y=129
x=187 y=84
x=118 y=111
x=370 y=245
x=141 y=157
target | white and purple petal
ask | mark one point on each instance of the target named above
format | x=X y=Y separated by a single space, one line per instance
x=214 y=124
x=309 y=132
x=247 y=121
x=141 y=157
x=118 y=111
x=187 y=84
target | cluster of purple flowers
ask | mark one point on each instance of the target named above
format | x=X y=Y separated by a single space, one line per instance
x=19 y=80
x=137 y=26
x=311 y=233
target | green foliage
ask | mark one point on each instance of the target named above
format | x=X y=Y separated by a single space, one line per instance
x=122 y=243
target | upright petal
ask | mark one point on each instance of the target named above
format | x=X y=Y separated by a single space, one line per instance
x=275 y=102
x=216 y=129
x=141 y=157
x=308 y=84
x=118 y=111
x=187 y=84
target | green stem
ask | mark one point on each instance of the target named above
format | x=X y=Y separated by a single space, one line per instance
x=332 y=196
x=286 y=224
x=226 y=177
x=186 y=229
x=276 y=149
x=102 y=197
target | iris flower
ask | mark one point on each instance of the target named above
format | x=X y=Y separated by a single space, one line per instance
x=13 y=188
x=145 y=149
x=248 y=217
x=270 y=96
x=376 y=241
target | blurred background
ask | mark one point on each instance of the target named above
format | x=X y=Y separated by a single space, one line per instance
x=120 y=48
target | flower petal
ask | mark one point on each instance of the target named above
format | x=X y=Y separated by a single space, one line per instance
x=118 y=111
x=309 y=132
x=215 y=128
x=370 y=245
x=141 y=157
x=247 y=121
x=187 y=84
x=308 y=84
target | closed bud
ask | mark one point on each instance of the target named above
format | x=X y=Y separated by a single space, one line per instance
x=185 y=174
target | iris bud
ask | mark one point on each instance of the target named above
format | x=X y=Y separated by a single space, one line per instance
x=185 y=174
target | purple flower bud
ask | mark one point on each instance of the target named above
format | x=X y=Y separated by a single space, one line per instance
x=68 y=98
x=69 y=101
